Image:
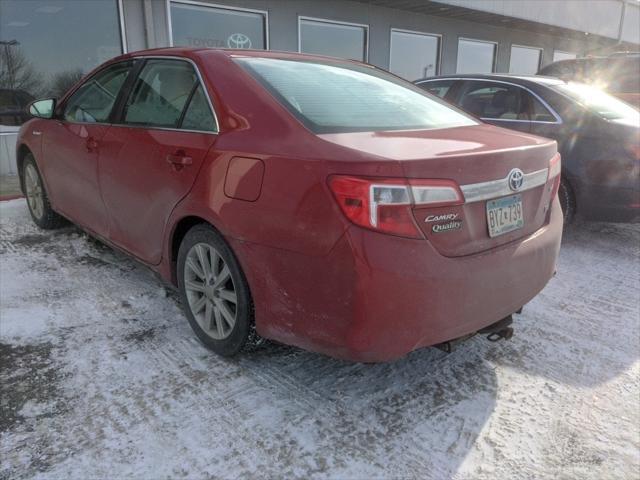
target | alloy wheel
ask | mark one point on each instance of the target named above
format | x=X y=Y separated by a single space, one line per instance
x=210 y=291
x=33 y=190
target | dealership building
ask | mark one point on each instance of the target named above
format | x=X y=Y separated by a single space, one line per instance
x=45 y=45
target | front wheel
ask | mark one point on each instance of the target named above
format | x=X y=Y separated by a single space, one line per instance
x=215 y=294
x=37 y=199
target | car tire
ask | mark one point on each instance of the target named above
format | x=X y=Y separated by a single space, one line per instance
x=214 y=292
x=37 y=199
x=567 y=201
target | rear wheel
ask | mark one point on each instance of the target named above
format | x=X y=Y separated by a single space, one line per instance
x=37 y=199
x=567 y=201
x=214 y=292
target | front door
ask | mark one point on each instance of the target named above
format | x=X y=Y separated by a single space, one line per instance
x=72 y=145
x=150 y=159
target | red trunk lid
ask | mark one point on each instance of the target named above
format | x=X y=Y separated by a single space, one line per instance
x=469 y=156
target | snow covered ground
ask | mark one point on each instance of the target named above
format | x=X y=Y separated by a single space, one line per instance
x=102 y=378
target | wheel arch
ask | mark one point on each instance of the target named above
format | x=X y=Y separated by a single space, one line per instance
x=21 y=153
x=178 y=233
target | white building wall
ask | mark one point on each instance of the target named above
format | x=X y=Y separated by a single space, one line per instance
x=598 y=17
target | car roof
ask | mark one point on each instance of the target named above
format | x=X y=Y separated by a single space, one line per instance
x=191 y=52
x=521 y=79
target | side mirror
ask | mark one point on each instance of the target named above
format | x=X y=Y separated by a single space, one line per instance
x=42 y=108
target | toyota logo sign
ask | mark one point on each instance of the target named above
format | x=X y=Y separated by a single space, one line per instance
x=515 y=179
x=238 y=40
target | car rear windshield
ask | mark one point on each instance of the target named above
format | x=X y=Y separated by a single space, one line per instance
x=599 y=102
x=339 y=97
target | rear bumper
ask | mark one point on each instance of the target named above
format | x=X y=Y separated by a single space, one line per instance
x=420 y=300
x=378 y=297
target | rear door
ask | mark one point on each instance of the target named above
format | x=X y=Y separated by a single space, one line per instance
x=150 y=158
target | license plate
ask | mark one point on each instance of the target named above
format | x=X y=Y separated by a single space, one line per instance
x=504 y=215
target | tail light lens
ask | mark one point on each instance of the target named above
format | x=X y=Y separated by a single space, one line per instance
x=385 y=204
x=555 y=166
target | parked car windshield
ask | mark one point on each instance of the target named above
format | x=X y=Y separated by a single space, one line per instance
x=338 y=97
x=599 y=102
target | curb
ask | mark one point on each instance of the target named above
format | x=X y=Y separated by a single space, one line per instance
x=6 y=198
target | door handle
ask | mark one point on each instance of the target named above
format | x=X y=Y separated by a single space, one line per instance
x=92 y=144
x=179 y=159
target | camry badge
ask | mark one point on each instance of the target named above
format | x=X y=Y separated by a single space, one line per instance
x=515 y=179
x=441 y=218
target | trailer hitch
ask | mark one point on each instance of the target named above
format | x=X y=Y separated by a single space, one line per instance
x=496 y=331
x=505 y=333
x=499 y=330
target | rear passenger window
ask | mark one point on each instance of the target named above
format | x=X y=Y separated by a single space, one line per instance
x=498 y=101
x=537 y=111
x=493 y=100
x=198 y=115
x=438 y=88
x=160 y=93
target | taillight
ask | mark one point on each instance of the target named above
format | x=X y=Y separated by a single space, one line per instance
x=555 y=166
x=385 y=204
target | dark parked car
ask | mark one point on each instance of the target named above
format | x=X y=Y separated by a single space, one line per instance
x=341 y=209
x=618 y=74
x=13 y=106
x=598 y=135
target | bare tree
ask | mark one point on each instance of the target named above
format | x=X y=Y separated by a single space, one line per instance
x=17 y=73
x=63 y=81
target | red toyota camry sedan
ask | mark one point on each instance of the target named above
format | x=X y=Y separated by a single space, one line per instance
x=313 y=201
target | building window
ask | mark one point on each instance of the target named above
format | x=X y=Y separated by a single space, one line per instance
x=525 y=60
x=336 y=39
x=199 y=25
x=414 y=55
x=34 y=65
x=476 y=56
x=560 y=55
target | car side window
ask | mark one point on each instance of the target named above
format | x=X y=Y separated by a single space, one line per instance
x=198 y=115
x=534 y=109
x=160 y=93
x=94 y=100
x=495 y=101
x=439 y=88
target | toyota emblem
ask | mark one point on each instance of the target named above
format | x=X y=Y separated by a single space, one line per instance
x=238 y=40
x=515 y=179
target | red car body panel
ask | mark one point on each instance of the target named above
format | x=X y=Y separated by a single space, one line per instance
x=140 y=186
x=317 y=280
x=71 y=170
